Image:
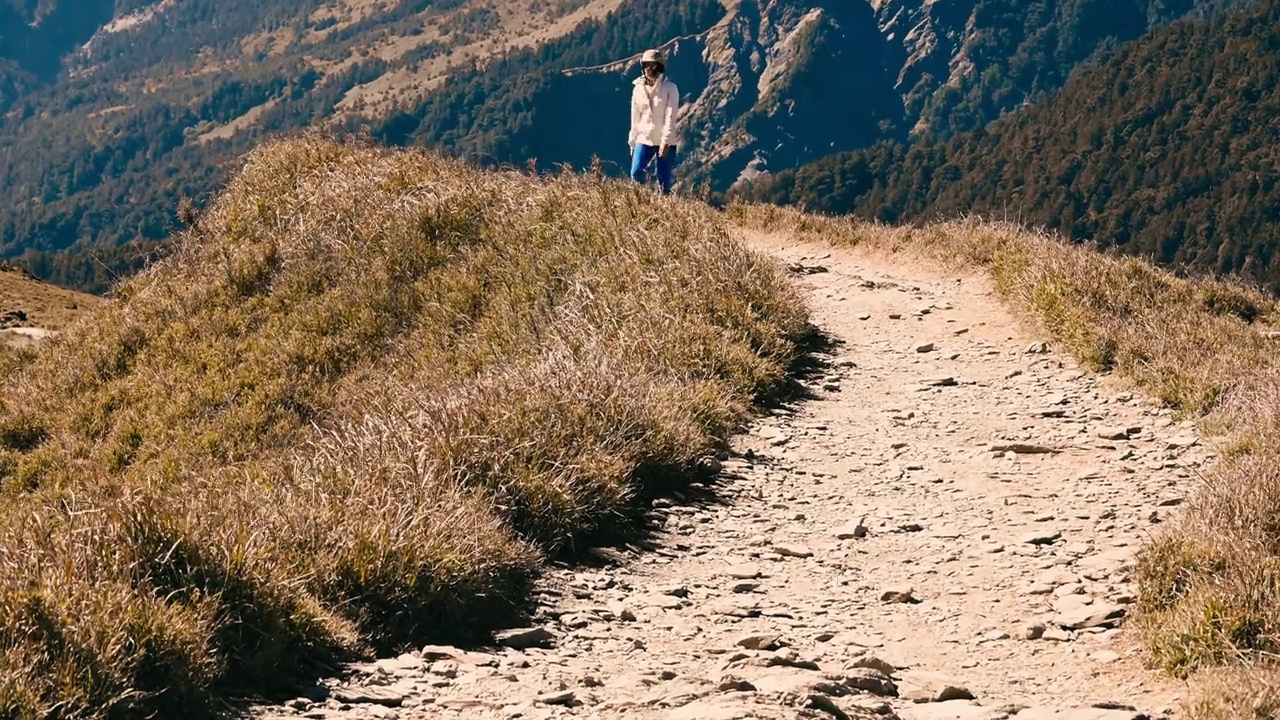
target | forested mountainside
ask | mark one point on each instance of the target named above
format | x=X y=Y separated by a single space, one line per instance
x=1168 y=148
x=159 y=99
x=113 y=113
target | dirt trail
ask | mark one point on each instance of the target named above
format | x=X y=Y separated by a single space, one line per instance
x=875 y=548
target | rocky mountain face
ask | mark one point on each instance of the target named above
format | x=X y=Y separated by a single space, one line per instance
x=788 y=81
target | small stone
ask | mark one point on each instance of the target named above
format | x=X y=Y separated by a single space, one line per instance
x=745 y=586
x=1037 y=348
x=899 y=595
x=926 y=348
x=591 y=681
x=1033 y=631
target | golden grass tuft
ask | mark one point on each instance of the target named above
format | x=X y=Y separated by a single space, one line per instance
x=367 y=395
x=1209 y=583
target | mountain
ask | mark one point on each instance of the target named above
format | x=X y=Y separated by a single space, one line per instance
x=114 y=112
x=150 y=102
x=774 y=83
x=1167 y=148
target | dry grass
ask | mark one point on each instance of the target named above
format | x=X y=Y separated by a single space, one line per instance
x=369 y=393
x=46 y=306
x=1209 y=584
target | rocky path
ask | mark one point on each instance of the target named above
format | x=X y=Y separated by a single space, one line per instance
x=944 y=531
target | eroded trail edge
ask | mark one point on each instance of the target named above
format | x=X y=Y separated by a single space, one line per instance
x=944 y=530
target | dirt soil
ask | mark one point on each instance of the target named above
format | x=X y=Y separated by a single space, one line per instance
x=943 y=529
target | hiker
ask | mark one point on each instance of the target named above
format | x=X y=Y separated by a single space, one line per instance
x=655 y=100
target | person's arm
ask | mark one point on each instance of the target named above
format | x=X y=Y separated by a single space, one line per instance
x=633 y=138
x=669 y=120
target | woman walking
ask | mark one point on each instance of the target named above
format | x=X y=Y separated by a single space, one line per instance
x=655 y=101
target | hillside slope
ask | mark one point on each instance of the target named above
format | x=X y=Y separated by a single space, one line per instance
x=29 y=309
x=1167 y=149
x=369 y=394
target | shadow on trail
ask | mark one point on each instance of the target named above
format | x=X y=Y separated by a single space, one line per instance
x=704 y=485
x=637 y=530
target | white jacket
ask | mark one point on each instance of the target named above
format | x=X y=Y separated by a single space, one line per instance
x=653 y=112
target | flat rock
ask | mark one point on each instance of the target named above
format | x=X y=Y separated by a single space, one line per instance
x=1079 y=713
x=525 y=638
x=857 y=530
x=951 y=710
x=1042 y=537
x=871 y=680
x=819 y=701
x=760 y=642
x=924 y=687
x=795 y=551
x=1024 y=449
x=1091 y=616
x=1118 y=432
x=387 y=697
x=744 y=572
x=733 y=683
x=784 y=679
x=658 y=600
x=564 y=697
x=874 y=663
x=733 y=707
x=898 y=595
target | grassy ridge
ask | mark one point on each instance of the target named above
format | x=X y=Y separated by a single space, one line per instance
x=368 y=395
x=1209 y=583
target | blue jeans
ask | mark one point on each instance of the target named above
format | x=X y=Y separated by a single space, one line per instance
x=641 y=158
